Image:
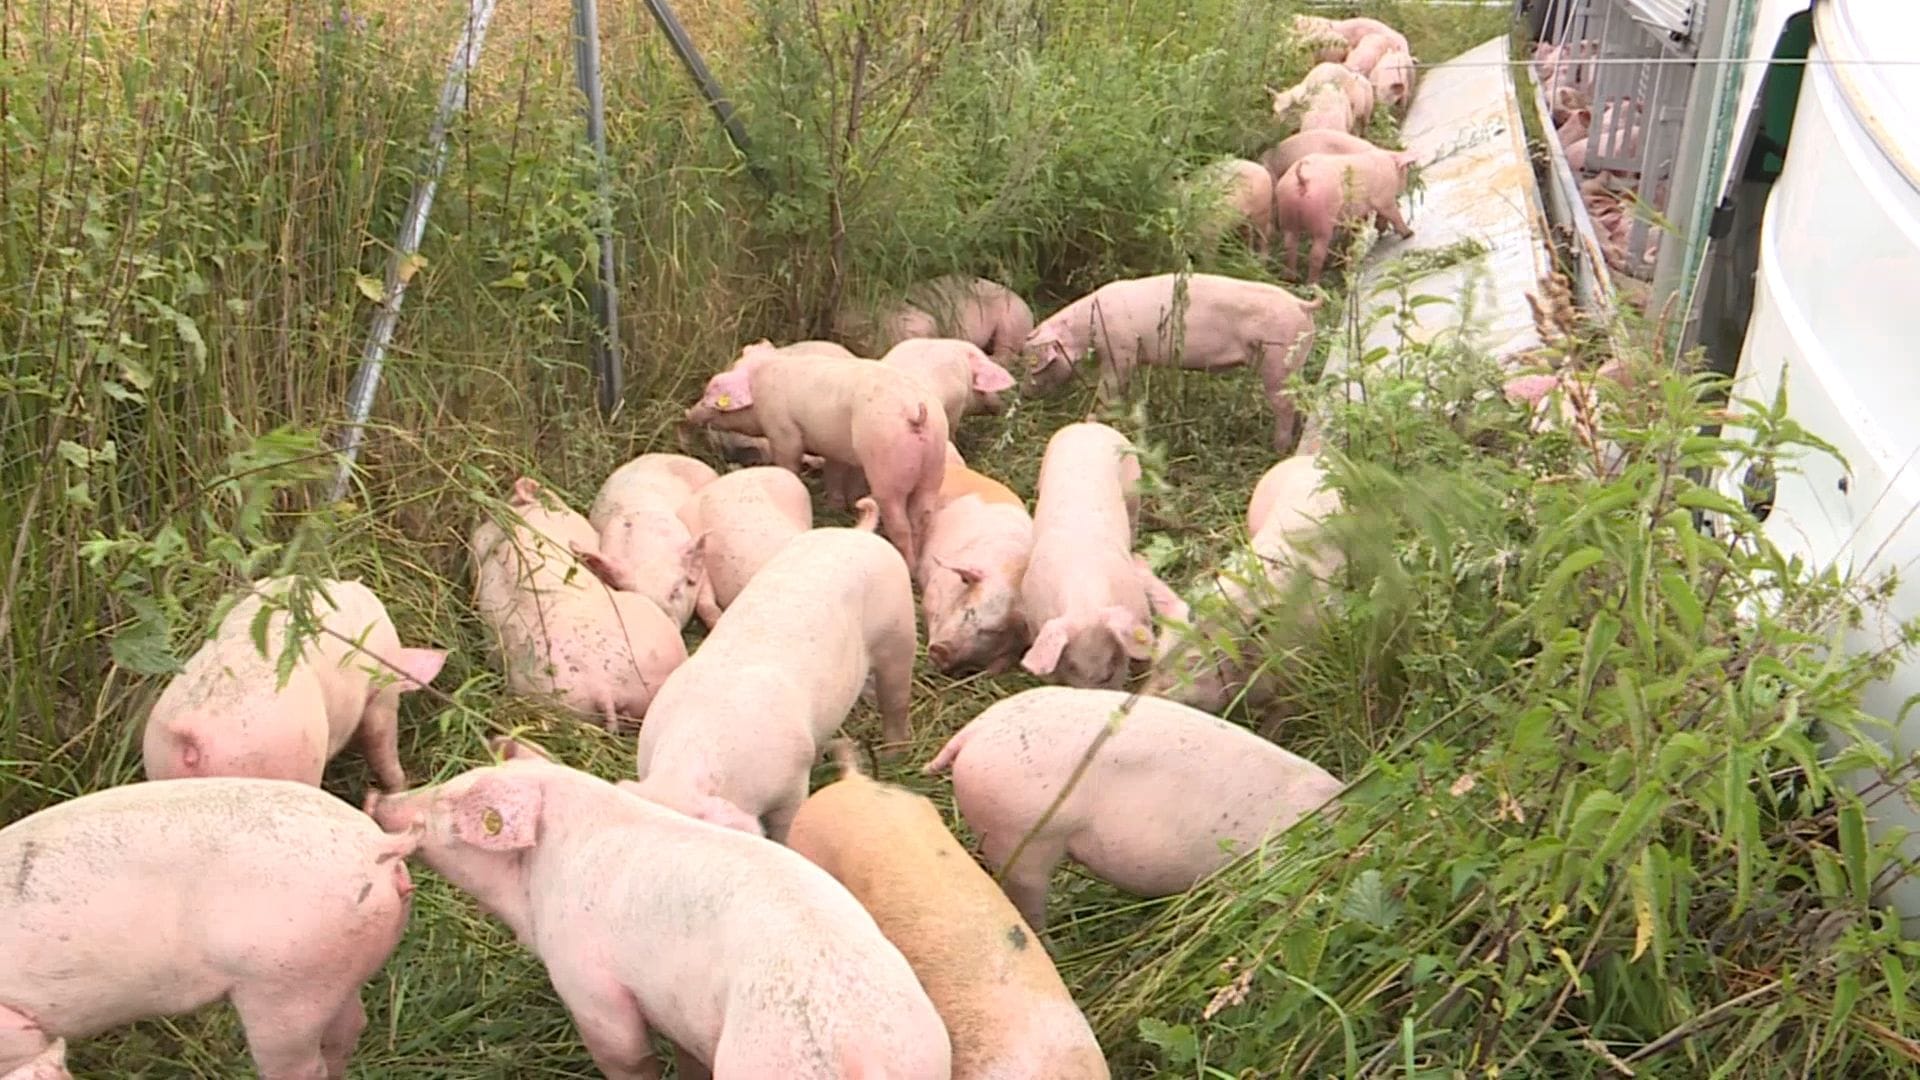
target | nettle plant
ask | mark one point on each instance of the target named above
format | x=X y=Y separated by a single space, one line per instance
x=1597 y=825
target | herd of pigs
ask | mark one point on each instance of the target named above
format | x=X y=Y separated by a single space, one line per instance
x=768 y=932
x=1566 y=74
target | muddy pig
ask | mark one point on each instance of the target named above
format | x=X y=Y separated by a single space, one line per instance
x=970 y=572
x=962 y=377
x=734 y=732
x=742 y=519
x=1226 y=322
x=1321 y=193
x=1280 y=157
x=853 y=413
x=1087 y=602
x=751 y=959
x=1005 y=1008
x=160 y=898
x=226 y=713
x=1204 y=785
x=562 y=632
x=1284 y=519
x=636 y=518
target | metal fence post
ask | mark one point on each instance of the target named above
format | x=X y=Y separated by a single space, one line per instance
x=689 y=55
x=453 y=98
x=606 y=290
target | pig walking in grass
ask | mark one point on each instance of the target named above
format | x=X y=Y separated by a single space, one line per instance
x=564 y=633
x=752 y=449
x=1351 y=32
x=1088 y=603
x=157 y=899
x=743 y=518
x=1224 y=322
x=1281 y=156
x=986 y=313
x=636 y=518
x=1323 y=192
x=1172 y=796
x=853 y=413
x=754 y=962
x=1234 y=194
x=1005 y=1008
x=970 y=572
x=962 y=377
x=1392 y=80
x=227 y=714
x=1312 y=94
x=1284 y=519
x=734 y=732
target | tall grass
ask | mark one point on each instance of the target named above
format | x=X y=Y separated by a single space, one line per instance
x=195 y=197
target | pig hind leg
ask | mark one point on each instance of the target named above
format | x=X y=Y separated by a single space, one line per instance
x=288 y=1027
x=609 y=1019
x=337 y=1042
x=892 y=667
x=1026 y=881
x=1278 y=362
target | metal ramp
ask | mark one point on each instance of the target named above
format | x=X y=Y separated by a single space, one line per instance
x=1479 y=186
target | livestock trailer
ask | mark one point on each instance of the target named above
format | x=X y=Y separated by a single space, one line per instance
x=1781 y=140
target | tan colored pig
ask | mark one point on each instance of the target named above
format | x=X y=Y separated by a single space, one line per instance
x=1006 y=1010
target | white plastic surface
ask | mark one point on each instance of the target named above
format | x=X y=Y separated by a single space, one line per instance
x=1837 y=315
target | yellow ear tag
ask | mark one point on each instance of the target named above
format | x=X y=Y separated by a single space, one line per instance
x=1140 y=634
x=490 y=821
x=723 y=400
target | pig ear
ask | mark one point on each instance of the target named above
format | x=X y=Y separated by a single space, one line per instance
x=968 y=573
x=508 y=748
x=730 y=391
x=988 y=377
x=1135 y=638
x=526 y=490
x=609 y=570
x=693 y=557
x=498 y=813
x=1047 y=646
x=717 y=811
x=418 y=667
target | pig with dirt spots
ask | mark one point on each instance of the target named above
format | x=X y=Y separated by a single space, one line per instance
x=1088 y=603
x=1284 y=521
x=971 y=570
x=743 y=518
x=734 y=732
x=1173 y=795
x=1321 y=193
x=1225 y=322
x=753 y=961
x=157 y=899
x=1005 y=1008
x=853 y=413
x=227 y=713
x=636 y=517
x=564 y=633
x=1352 y=31
x=962 y=377
x=984 y=312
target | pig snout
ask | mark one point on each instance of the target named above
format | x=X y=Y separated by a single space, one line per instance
x=940 y=654
x=700 y=415
x=404 y=813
